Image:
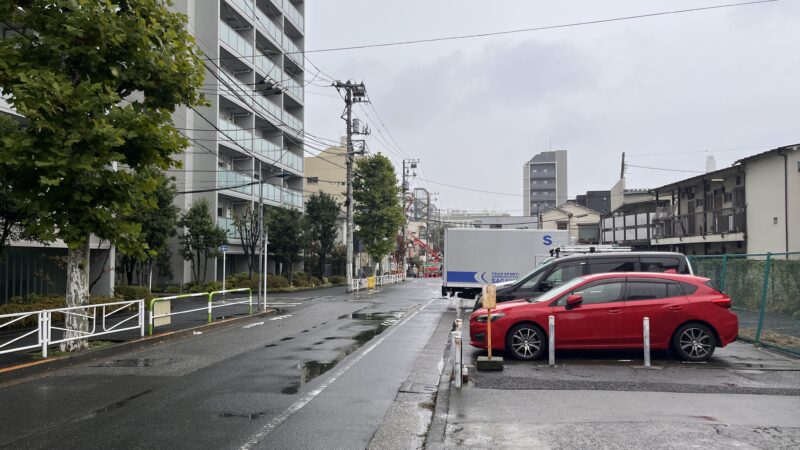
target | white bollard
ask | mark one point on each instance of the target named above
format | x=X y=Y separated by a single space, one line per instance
x=458 y=363
x=551 y=341
x=646 y=341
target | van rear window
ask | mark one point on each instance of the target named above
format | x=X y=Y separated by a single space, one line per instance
x=657 y=264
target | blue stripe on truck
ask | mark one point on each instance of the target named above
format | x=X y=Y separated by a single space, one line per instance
x=462 y=277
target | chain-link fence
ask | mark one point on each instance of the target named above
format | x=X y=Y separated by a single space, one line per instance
x=765 y=294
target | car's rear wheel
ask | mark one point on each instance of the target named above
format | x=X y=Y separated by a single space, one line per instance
x=694 y=342
x=526 y=341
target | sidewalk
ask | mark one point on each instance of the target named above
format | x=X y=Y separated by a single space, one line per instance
x=178 y=323
x=746 y=397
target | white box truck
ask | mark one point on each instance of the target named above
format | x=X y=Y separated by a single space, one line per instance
x=474 y=257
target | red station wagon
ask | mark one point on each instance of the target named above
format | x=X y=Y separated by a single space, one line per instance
x=606 y=311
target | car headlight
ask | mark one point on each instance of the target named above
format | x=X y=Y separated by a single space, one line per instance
x=482 y=317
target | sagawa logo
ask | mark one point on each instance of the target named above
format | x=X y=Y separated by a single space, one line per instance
x=547 y=240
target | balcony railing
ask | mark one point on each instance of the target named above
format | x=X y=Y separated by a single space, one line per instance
x=292 y=197
x=292 y=121
x=292 y=85
x=726 y=220
x=268 y=24
x=269 y=68
x=235 y=136
x=271 y=107
x=245 y=6
x=236 y=88
x=226 y=223
x=235 y=181
x=293 y=51
x=234 y=40
x=293 y=14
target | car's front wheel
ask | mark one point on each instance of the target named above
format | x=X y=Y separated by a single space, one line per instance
x=694 y=342
x=526 y=341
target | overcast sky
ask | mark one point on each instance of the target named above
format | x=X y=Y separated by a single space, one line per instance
x=668 y=91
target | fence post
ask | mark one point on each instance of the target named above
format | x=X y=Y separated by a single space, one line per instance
x=210 y=296
x=142 y=308
x=551 y=340
x=152 y=320
x=44 y=326
x=763 y=305
x=250 y=299
x=459 y=366
x=646 y=325
x=724 y=273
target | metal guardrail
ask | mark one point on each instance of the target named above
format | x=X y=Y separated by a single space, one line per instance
x=209 y=307
x=45 y=326
x=360 y=284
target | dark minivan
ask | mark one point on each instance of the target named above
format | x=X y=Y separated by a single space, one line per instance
x=561 y=270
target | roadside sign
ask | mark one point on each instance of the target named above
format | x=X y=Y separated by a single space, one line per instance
x=223 y=248
x=489 y=296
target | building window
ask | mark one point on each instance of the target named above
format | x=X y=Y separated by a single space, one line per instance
x=561 y=225
x=495 y=226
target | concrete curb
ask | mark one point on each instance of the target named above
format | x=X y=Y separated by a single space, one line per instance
x=436 y=432
x=16 y=373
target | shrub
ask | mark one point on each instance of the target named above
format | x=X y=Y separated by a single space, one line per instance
x=130 y=292
x=212 y=286
x=172 y=290
x=300 y=282
x=300 y=275
x=337 y=280
x=240 y=280
x=276 y=282
x=314 y=281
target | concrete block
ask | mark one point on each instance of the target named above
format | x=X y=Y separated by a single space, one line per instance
x=490 y=365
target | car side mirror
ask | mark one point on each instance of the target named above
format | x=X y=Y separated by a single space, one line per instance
x=574 y=300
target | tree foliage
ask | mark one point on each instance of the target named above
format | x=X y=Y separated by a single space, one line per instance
x=157 y=227
x=285 y=236
x=200 y=239
x=97 y=82
x=321 y=213
x=248 y=229
x=377 y=208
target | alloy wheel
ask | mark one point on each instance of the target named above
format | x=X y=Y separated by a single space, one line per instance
x=695 y=343
x=526 y=342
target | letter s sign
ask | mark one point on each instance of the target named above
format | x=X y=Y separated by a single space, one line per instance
x=547 y=239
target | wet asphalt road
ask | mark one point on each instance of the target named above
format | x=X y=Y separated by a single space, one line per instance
x=319 y=374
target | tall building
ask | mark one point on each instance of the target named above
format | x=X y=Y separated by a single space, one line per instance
x=248 y=143
x=544 y=182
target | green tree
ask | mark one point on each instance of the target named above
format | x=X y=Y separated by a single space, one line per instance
x=377 y=208
x=248 y=229
x=321 y=213
x=157 y=224
x=285 y=235
x=97 y=82
x=200 y=239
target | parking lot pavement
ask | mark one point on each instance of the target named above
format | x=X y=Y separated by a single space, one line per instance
x=745 y=397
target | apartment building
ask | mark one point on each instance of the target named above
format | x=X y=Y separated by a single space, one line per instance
x=247 y=145
x=544 y=182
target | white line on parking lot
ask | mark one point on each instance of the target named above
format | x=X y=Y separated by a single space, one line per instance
x=281 y=317
x=277 y=421
x=252 y=325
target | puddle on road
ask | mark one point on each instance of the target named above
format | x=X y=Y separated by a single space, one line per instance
x=131 y=363
x=112 y=406
x=251 y=416
x=377 y=322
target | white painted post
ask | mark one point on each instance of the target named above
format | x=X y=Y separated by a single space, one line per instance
x=43 y=332
x=141 y=314
x=551 y=340
x=266 y=260
x=646 y=341
x=458 y=363
x=224 y=257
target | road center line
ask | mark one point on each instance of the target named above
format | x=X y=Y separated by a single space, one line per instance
x=296 y=406
x=253 y=325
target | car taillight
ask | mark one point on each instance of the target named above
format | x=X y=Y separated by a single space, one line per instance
x=724 y=302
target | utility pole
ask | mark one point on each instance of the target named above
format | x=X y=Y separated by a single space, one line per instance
x=622 y=170
x=354 y=93
x=412 y=164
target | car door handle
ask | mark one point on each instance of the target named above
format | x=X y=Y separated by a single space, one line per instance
x=614 y=311
x=675 y=308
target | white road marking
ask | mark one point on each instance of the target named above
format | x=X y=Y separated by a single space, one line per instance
x=281 y=317
x=296 y=406
x=282 y=304
x=252 y=325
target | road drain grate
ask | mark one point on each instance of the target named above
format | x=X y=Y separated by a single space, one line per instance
x=251 y=416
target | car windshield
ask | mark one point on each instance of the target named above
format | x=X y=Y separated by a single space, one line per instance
x=557 y=292
x=537 y=272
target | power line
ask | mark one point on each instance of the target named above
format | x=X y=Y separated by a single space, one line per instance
x=664 y=169
x=532 y=29
x=470 y=189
